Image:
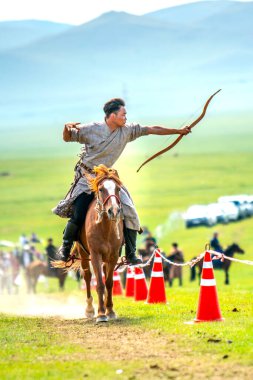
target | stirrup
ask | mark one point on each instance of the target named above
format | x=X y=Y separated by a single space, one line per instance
x=134 y=261
x=121 y=262
x=71 y=258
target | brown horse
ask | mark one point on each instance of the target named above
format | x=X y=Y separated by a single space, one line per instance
x=218 y=264
x=102 y=238
x=37 y=268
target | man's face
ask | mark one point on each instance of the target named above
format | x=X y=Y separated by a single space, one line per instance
x=120 y=117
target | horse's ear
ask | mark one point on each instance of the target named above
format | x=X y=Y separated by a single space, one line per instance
x=116 y=173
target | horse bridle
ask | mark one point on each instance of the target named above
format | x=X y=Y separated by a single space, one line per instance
x=110 y=196
x=100 y=206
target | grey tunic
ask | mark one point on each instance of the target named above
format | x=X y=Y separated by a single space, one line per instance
x=101 y=146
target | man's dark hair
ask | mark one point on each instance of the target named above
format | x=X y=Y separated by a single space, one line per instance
x=175 y=245
x=113 y=106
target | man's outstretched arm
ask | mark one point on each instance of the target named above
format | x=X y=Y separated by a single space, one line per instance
x=156 y=130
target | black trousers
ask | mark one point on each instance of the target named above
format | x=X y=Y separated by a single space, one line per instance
x=80 y=208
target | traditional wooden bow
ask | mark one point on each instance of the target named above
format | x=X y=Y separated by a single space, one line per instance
x=195 y=122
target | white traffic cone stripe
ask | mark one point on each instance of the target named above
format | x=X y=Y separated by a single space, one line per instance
x=207 y=264
x=139 y=276
x=210 y=282
x=156 y=274
x=130 y=275
x=116 y=278
x=157 y=259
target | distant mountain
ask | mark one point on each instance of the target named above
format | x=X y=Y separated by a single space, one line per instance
x=192 y=13
x=14 y=34
x=162 y=63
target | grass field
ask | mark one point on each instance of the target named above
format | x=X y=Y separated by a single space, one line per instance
x=161 y=191
x=146 y=341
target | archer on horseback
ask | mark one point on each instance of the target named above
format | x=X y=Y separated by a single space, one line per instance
x=103 y=144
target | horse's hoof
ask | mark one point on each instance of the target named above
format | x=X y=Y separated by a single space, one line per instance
x=111 y=315
x=101 y=318
x=89 y=314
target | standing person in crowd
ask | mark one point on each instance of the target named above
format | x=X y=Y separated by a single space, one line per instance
x=150 y=243
x=23 y=240
x=176 y=256
x=34 y=238
x=27 y=255
x=6 y=279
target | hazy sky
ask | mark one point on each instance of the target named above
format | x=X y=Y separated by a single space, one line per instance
x=78 y=11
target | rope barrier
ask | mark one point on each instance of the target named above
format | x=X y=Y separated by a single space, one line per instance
x=222 y=257
x=193 y=262
x=140 y=265
x=190 y=263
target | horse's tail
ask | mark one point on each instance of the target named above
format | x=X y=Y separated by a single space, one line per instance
x=74 y=262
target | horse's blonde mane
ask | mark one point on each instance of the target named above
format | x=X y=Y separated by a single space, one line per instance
x=102 y=172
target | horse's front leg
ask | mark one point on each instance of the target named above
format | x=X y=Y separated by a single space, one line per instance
x=109 y=285
x=97 y=266
x=89 y=311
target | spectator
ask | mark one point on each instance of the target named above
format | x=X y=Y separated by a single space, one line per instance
x=6 y=280
x=177 y=257
x=27 y=256
x=16 y=277
x=150 y=243
x=34 y=238
x=23 y=240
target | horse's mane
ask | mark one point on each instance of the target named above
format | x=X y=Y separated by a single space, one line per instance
x=102 y=172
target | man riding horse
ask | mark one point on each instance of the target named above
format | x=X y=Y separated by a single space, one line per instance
x=103 y=144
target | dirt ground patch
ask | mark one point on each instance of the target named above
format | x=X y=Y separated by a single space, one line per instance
x=160 y=355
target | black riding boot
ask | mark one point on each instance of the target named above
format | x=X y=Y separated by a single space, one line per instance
x=69 y=236
x=130 y=241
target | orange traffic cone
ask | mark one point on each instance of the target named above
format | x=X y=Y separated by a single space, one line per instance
x=130 y=282
x=117 y=288
x=140 y=285
x=156 y=293
x=208 y=308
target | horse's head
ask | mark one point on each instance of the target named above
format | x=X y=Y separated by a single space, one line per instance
x=108 y=198
x=234 y=248
x=106 y=185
